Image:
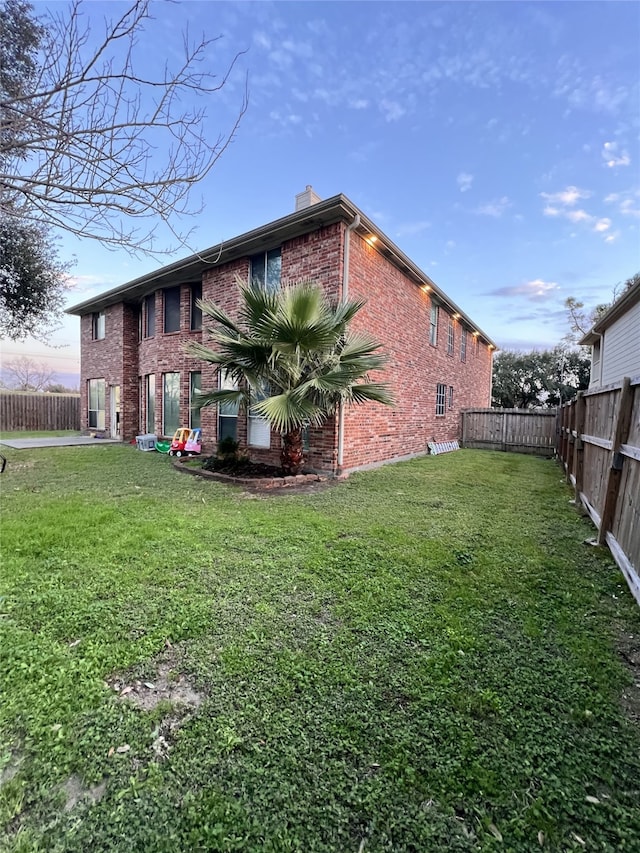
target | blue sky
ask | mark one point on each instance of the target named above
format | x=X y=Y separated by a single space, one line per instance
x=495 y=143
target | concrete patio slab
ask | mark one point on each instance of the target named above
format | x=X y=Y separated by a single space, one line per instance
x=57 y=441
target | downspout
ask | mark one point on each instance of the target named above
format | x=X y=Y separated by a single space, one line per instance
x=345 y=296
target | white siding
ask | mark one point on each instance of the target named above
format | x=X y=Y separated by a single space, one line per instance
x=621 y=347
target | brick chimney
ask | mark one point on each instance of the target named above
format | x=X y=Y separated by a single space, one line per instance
x=307 y=198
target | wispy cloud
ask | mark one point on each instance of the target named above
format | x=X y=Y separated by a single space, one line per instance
x=411 y=229
x=566 y=197
x=603 y=224
x=391 y=110
x=628 y=202
x=537 y=289
x=494 y=208
x=612 y=157
x=464 y=181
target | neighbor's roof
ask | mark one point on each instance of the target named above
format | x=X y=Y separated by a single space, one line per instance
x=628 y=299
x=189 y=270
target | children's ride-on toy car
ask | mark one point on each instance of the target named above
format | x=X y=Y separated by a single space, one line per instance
x=186 y=442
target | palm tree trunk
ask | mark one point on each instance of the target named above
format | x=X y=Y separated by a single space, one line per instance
x=292 y=455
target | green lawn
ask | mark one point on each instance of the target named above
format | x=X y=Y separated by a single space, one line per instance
x=421 y=658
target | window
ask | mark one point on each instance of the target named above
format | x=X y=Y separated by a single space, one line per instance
x=433 y=326
x=451 y=336
x=172 y=310
x=195 y=386
x=463 y=345
x=170 y=403
x=451 y=396
x=98 y=326
x=150 y=395
x=441 y=398
x=266 y=268
x=227 y=412
x=258 y=427
x=150 y=316
x=96 y=396
x=475 y=345
x=196 y=311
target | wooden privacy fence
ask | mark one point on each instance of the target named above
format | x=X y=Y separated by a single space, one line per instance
x=38 y=411
x=599 y=446
x=517 y=430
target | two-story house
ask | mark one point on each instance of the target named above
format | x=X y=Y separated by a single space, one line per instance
x=615 y=340
x=136 y=377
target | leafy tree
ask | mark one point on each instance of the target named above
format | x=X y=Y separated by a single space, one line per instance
x=32 y=280
x=90 y=140
x=293 y=360
x=537 y=379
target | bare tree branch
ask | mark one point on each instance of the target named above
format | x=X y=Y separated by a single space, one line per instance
x=25 y=374
x=90 y=143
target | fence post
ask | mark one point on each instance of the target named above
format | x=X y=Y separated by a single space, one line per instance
x=621 y=425
x=578 y=447
x=504 y=430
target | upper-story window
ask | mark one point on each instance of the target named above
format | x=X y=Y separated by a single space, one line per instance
x=196 y=311
x=451 y=336
x=463 y=345
x=433 y=325
x=266 y=269
x=172 y=309
x=98 y=326
x=150 y=316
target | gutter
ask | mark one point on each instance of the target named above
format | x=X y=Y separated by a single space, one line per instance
x=345 y=295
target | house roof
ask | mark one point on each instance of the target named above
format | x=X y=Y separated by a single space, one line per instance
x=338 y=208
x=628 y=299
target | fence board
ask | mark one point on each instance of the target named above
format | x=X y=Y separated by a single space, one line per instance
x=609 y=487
x=515 y=430
x=30 y=411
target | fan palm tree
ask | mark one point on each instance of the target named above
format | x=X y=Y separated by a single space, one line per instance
x=292 y=359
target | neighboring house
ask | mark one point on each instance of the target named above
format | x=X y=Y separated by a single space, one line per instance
x=615 y=341
x=136 y=377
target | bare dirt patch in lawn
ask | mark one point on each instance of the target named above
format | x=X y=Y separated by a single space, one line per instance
x=168 y=684
x=75 y=792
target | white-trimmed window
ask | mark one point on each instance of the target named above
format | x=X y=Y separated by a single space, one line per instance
x=433 y=325
x=172 y=310
x=451 y=336
x=451 y=396
x=441 y=398
x=266 y=269
x=195 y=386
x=463 y=345
x=96 y=397
x=259 y=429
x=227 y=412
x=170 y=403
x=150 y=399
x=98 y=324
x=150 y=316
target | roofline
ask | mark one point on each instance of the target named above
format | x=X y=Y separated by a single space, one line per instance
x=338 y=208
x=619 y=307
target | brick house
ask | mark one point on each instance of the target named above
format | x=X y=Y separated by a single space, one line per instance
x=136 y=377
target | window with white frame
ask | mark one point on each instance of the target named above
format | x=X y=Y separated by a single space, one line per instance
x=195 y=386
x=98 y=324
x=451 y=396
x=227 y=412
x=451 y=335
x=476 y=346
x=259 y=430
x=170 y=403
x=433 y=325
x=96 y=403
x=441 y=398
x=266 y=268
x=150 y=401
x=172 y=310
x=463 y=345
x=196 y=311
x=150 y=316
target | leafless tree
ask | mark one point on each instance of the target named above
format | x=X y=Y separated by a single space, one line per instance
x=92 y=143
x=25 y=374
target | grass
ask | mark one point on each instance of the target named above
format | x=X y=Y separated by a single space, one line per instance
x=421 y=658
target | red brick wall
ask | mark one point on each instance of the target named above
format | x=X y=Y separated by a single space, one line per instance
x=396 y=314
